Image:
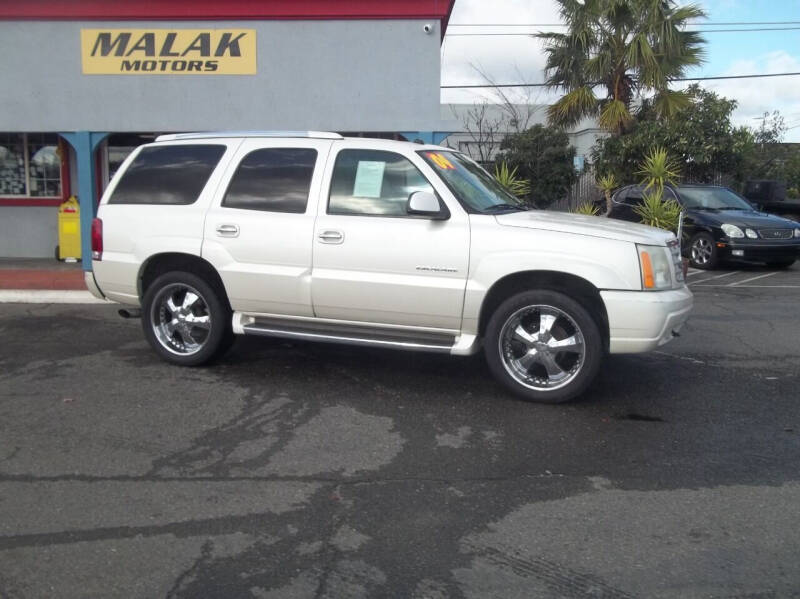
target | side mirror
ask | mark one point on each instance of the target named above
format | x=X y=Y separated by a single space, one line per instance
x=424 y=203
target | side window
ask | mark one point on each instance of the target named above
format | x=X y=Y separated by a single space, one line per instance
x=273 y=180
x=167 y=175
x=373 y=182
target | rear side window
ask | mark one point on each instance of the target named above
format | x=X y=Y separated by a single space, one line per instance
x=273 y=180
x=172 y=175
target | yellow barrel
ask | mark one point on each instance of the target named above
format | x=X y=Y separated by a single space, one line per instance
x=69 y=229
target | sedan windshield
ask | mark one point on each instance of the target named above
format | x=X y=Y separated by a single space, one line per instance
x=712 y=198
x=472 y=185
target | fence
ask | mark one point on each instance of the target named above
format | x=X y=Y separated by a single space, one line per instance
x=582 y=191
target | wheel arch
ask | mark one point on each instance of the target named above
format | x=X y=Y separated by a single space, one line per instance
x=571 y=285
x=158 y=264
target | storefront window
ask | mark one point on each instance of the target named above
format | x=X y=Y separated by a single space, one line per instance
x=30 y=165
x=12 y=164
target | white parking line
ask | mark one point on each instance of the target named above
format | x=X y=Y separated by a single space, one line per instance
x=47 y=296
x=694 y=272
x=727 y=274
x=737 y=283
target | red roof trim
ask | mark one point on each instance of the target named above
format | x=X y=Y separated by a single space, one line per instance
x=232 y=9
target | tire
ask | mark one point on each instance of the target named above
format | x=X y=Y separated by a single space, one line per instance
x=551 y=376
x=781 y=263
x=703 y=252
x=200 y=326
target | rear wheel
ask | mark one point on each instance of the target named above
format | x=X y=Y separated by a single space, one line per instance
x=543 y=346
x=184 y=319
x=703 y=252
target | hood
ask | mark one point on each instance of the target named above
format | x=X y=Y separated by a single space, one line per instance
x=592 y=226
x=743 y=218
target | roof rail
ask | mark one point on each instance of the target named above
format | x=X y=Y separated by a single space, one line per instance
x=218 y=134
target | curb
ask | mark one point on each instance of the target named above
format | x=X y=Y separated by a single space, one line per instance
x=48 y=296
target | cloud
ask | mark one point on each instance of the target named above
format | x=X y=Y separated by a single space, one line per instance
x=506 y=59
x=757 y=96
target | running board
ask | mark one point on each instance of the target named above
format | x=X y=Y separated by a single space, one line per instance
x=352 y=335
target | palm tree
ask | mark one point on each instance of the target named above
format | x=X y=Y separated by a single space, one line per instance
x=630 y=47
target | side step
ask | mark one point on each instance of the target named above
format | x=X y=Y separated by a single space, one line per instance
x=350 y=334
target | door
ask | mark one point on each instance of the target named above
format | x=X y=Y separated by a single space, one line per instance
x=259 y=231
x=373 y=261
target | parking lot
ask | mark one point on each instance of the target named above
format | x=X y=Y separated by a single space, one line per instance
x=300 y=470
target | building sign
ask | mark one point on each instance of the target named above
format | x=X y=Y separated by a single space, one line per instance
x=168 y=51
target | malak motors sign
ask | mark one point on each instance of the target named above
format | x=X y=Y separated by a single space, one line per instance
x=168 y=51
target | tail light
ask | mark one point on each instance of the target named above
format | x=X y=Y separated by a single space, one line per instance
x=97 y=239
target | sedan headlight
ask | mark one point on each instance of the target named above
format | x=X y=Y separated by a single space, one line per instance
x=732 y=231
x=797 y=232
x=751 y=234
x=654 y=262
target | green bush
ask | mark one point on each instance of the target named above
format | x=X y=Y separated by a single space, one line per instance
x=543 y=156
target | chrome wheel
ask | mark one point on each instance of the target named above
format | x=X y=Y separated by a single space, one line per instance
x=702 y=251
x=181 y=319
x=542 y=347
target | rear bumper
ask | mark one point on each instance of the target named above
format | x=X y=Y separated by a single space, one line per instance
x=641 y=321
x=91 y=285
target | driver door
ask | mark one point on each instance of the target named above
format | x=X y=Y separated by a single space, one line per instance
x=373 y=262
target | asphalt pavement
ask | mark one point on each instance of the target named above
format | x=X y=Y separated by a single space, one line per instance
x=302 y=470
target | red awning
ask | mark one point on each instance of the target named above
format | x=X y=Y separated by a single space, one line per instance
x=229 y=10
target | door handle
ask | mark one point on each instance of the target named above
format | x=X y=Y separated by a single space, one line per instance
x=330 y=236
x=228 y=230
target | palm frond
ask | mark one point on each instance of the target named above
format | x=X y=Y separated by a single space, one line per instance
x=573 y=106
x=614 y=115
x=658 y=168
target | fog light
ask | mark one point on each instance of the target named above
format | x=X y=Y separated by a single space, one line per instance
x=738 y=252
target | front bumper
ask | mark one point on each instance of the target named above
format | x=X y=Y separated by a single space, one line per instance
x=760 y=251
x=641 y=321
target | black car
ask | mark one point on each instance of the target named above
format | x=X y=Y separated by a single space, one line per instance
x=720 y=225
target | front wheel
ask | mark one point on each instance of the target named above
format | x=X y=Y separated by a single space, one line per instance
x=543 y=346
x=184 y=319
x=703 y=252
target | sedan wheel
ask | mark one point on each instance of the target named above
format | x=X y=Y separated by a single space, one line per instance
x=703 y=252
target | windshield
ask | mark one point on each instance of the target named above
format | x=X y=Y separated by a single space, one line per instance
x=472 y=185
x=712 y=198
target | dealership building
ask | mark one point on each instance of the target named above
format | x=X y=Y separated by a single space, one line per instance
x=86 y=82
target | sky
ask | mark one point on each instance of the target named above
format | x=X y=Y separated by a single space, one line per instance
x=513 y=59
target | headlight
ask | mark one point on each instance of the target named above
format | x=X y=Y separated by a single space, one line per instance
x=654 y=262
x=732 y=231
x=751 y=234
x=797 y=232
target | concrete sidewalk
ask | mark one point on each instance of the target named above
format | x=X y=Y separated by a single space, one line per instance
x=42 y=281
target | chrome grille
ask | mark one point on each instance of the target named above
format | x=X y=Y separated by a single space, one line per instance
x=775 y=233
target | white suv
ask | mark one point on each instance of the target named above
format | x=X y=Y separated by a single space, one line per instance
x=391 y=244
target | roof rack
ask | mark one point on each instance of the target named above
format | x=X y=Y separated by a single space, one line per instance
x=218 y=134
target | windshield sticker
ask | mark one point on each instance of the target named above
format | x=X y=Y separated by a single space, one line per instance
x=369 y=179
x=440 y=161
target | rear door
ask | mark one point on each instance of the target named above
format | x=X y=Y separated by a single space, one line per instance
x=374 y=262
x=259 y=230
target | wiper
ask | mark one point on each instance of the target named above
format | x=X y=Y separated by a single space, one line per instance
x=498 y=207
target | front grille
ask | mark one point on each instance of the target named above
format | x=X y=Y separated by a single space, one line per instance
x=776 y=233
